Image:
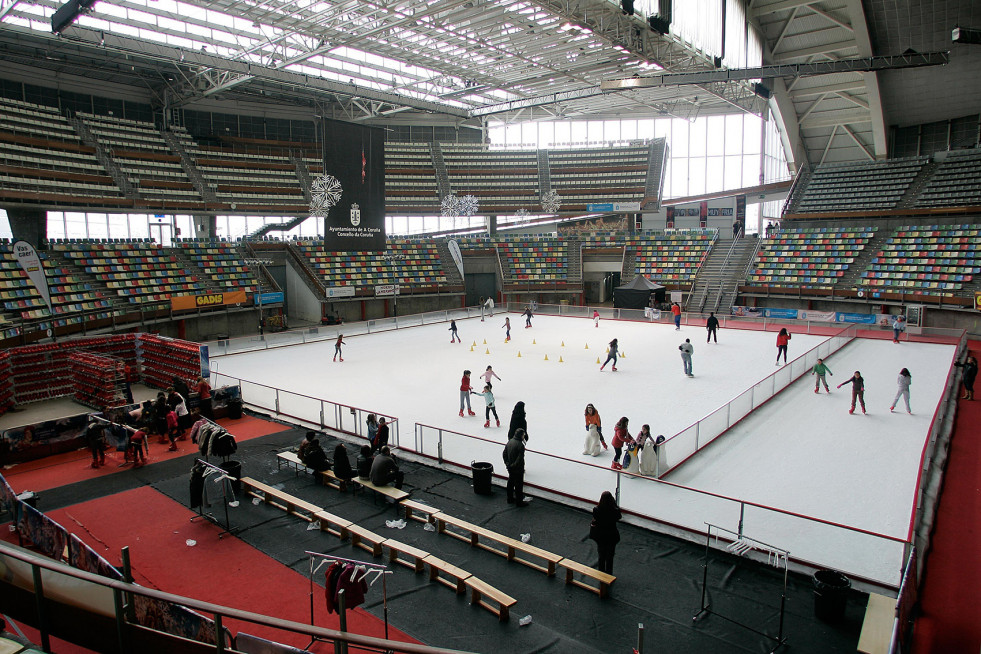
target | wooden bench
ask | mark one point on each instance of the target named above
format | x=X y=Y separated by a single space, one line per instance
x=410 y=557
x=880 y=616
x=333 y=524
x=501 y=545
x=411 y=506
x=490 y=598
x=447 y=574
x=602 y=579
x=291 y=459
x=328 y=478
x=280 y=499
x=366 y=539
x=396 y=494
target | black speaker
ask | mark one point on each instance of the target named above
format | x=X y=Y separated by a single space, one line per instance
x=659 y=25
x=717 y=61
x=761 y=91
x=664 y=10
x=627 y=6
x=67 y=14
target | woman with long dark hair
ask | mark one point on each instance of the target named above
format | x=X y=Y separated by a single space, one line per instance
x=905 y=379
x=604 y=530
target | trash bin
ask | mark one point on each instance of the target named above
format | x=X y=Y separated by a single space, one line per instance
x=483 y=472
x=29 y=497
x=235 y=408
x=830 y=595
x=234 y=469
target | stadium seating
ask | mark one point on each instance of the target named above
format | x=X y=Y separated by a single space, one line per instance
x=413 y=264
x=814 y=257
x=221 y=263
x=860 y=186
x=930 y=260
x=957 y=181
x=671 y=258
x=410 y=179
x=503 y=181
x=533 y=259
x=599 y=175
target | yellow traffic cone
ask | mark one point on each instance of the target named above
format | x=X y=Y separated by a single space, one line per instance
x=563 y=343
x=474 y=344
x=560 y=359
x=597 y=360
x=533 y=342
x=587 y=346
x=471 y=348
x=487 y=351
x=519 y=354
x=623 y=355
x=485 y=341
x=546 y=357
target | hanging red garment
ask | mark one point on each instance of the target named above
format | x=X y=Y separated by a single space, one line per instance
x=354 y=591
x=330 y=584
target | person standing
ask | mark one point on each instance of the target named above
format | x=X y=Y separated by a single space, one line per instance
x=686 y=351
x=96 y=441
x=898 y=327
x=904 y=381
x=465 y=390
x=518 y=420
x=712 y=325
x=593 y=418
x=488 y=396
x=603 y=530
x=489 y=305
x=507 y=329
x=676 y=312
x=528 y=317
x=858 y=390
x=454 y=336
x=970 y=367
x=371 y=422
x=204 y=399
x=596 y=318
x=821 y=370
x=488 y=375
x=621 y=437
x=514 y=461
x=783 y=338
x=381 y=436
x=611 y=355
x=385 y=470
x=337 y=347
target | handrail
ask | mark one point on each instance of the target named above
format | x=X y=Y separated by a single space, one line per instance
x=210 y=608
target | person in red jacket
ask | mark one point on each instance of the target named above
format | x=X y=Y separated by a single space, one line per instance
x=465 y=389
x=676 y=312
x=621 y=437
x=783 y=338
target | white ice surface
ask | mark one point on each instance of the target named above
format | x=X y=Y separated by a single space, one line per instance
x=800 y=452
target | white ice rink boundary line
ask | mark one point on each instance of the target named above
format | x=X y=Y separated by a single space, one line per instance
x=680 y=447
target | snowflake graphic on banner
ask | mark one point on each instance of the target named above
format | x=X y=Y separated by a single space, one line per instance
x=324 y=193
x=468 y=205
x=450 y=205
x=551 y=202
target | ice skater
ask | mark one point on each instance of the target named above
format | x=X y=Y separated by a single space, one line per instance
x=528 y=317
x=593 y=418
x=686 y=351
x=465 y=390
x=898 y=327
x=621 y=437
x=712 y=325
x=970 y=366
x=488 y=396
x=611 y=355
x=858 y=390
x=489 y=306
x=783 y=338
x=821 y=370
x=596 y=318
x=337 y=347
x=488 y=375
x=507 y=329
x=905 y=379
x=454 y=335
x=676 y=312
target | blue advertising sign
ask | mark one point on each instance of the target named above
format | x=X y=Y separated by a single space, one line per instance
x=864 y=318
x=786 y=314
x=599 y=208
x=269 y=298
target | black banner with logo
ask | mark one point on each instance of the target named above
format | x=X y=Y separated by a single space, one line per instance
x=355 y=156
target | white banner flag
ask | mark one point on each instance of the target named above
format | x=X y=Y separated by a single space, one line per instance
x=31 y=263
x=456 y=254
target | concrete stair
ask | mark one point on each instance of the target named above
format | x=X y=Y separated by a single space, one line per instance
x=853 y=276
x=710 y=274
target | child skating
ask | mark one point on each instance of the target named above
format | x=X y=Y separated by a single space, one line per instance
x=611 y=355
x=488 y=375
x=488 y=396
x=593 y=418
x=858 y=390
x=507 y=329
x=821 y=370
x=905 y=379
x=528 y=316
x=465 y=390
x=783 y=339
x=337 y=347
x=454 y=336
x=621 y=437
x=596 y=318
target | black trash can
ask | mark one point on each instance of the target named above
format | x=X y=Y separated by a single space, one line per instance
x=234 y=469
x=830 y=595
x=235 y=408
x=483 y=473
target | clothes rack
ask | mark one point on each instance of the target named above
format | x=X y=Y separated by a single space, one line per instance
x=225 y=486
x=326 y=559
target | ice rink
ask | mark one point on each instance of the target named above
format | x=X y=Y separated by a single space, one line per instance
x=800 y=452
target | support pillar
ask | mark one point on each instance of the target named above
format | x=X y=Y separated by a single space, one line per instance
x=205 y=226
x=29 y=225
x=492 y=225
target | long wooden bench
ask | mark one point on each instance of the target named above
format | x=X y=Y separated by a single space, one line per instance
x=366 y=539
x=396 y=494
x=291 y=460
x=490 y=598
x=501 y=545
x=407 y=555
x=880 y=616
x=280 y=499
x=412 y=507
x=602 y=579
x=447 y=574
x=333 y=524
x=328 y=478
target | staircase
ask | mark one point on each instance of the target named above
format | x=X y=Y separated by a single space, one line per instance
x=734 y=273
x=629 y=268
x=442 y=179
x=193 y=174
x=853 y=276
x=544 y=174
x=313 y=281
x=797 y=190
x=710 y=274
x=453 y=277
x=88 y=138
x=194 y=269
x=914 y=188
x=574 y=257
x=304 y=175
x=655 y=171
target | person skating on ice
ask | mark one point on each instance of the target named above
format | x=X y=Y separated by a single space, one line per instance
x=611 y=355
x=465 y=390
x=903 y=382
x=454 y=336
x=821 y=370
x=712 y=325
x=507 y=329
x=337 y=347
x=676 y=312
x=489 y=407
x=596 y=318
x=783 y=338
x=489 y=306
x=488 y=375
x=898 y=327
x=621 y=437
x=858 y=390
x=593 y=418
x=686 y=351
x=527 y=315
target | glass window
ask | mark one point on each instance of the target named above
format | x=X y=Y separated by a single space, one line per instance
x=679 y=179
x=546 y=134
x=595 y=130
x=752 y=127
x=563 y=132
x=714 y=180
x=628 y=130
x=75 y=225
x=612 y=132
x=733 y=172
x=696 y=176
x=679 y=138
x=696 y=138
x=577 y=131
x=751 y=170
x=734 y=134
x=716 y=135
x=662 y=129
x=55 y=227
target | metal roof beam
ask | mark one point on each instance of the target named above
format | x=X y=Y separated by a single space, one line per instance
x=761 y=10
x=832 y=118
x=824 y=48
x=837 y=87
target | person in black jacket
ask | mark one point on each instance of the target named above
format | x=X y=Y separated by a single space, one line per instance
x=604 y=530
x=858 y=390
x=970 y=367
x=364 y=462
x=381 y=436
x=518 y=420
x=342 y=464
x=712 y=324
x=514 y=461
x=385 y=470
x=312 y=454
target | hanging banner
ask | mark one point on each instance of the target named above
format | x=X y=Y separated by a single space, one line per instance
x=355 y=156
x=817 y=316
x=456 y=254
x=185 y=302
x=29 y=260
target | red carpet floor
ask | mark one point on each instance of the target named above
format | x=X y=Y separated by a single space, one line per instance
x=225 y=571
x=70 y=467
x=951 y=591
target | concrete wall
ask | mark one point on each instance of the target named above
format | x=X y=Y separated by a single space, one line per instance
x=302 y=304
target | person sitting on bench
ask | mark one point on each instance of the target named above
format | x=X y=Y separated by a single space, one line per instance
x=385 y=470
x=312 y=455
x=342 y=464
x=364 y=461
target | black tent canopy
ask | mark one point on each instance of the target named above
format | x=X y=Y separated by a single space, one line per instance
x=637 y=293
